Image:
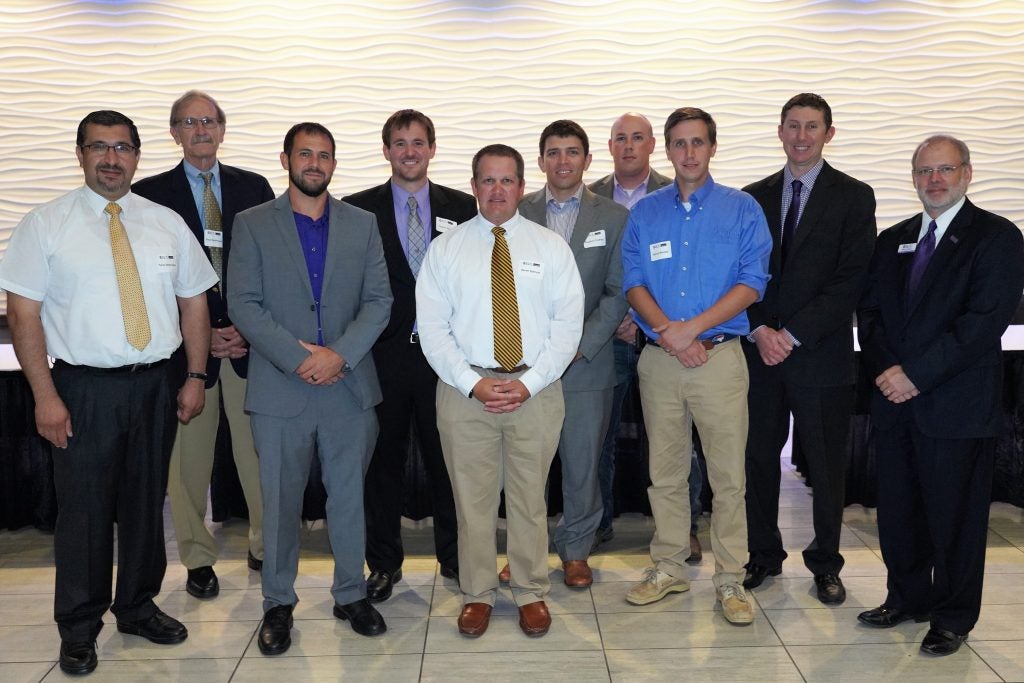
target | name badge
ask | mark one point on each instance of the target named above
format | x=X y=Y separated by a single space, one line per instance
x=166 y=262
x=594 y=239
x=661 y=250
x=531 y=269
x=907 y=248
x=213 y=238
x=444 y=224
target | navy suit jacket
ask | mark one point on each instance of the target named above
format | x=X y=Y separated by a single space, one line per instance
x=814 y=294
x=446 y=203
x=240 y=190
x=947 y=336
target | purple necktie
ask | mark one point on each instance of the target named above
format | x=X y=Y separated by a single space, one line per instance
x=922 y=255
x=792 y=216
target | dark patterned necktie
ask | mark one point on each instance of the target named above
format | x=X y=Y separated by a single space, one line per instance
x=417 y=242
x=792 y=216
x=922 y=255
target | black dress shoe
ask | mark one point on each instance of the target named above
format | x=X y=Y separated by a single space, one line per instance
x=77 y=658
x=831 y=590
x=254 y=564
x=275 y=635
x=450 y=572
x=380 y=583
x=887 y=617
x=364 y=617
x=756 y=574
x=202 y=583
x=158 y=628
x=941 y=642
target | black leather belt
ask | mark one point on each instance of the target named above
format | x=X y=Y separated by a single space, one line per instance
x=121 y=370
x=708 y=344
x=503 y=371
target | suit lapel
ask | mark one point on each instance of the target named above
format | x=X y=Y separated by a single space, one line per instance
x=584 y=222
x=289 y=235
x=773 y=213
x=389 y=235
x=534 y=208
x=945 y=250
x=815 y=207
x=184 y=203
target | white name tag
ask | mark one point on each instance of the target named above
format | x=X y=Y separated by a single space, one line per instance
x=532 y=269
x=213 y=238
x=444 y=224
x=907 y=248
x=594 y=239
x=166 y=262
x=660 y=250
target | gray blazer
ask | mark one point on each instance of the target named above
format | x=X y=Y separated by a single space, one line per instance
x=601 y=271
x=605 y=187
x=271 y=303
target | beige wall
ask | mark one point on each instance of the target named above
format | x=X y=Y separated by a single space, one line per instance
x=894 y=71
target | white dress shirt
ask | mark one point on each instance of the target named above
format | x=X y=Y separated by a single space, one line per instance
x=453 y=302
x=60 y=255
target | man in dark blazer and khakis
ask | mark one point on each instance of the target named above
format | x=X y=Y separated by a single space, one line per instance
x=592 y=226
x=942 y=288
x=800 y=348
x=197 y=124
x=411 y=211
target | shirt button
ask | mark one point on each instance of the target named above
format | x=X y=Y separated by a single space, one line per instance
x=313 y=249
x=682 y=293
x=686 y=244
x=684 y=267
x=315 y=276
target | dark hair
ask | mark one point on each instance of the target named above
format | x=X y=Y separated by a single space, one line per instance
x=403 y=118
x=564 y=129
x=691 y=114
x=108 y=117
x=808 y=99
x=195 y=95
x=308 y=128
x=499 y=150
x=961 y=148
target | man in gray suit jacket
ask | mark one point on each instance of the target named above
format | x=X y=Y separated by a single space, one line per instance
x=592 y=226
x=310 y=292
x=631 y=144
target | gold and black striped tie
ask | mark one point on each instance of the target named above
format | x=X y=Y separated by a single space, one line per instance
x=508 y=338
x=129 y=284
x=211 y=212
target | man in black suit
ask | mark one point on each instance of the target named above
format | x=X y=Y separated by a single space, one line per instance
x=942 y=288
x=800 y=349
x=207 y=195
x=410 y=211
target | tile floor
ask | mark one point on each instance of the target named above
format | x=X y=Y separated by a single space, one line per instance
x=596 y=635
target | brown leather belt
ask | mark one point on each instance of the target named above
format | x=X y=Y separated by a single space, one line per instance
x=503 y=371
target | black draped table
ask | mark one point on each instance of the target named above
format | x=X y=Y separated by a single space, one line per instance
x=26 y=478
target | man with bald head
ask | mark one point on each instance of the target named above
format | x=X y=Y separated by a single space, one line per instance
x=942 y=287
x=631 y=144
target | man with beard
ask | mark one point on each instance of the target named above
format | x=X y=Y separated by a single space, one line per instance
x=108 y=404
x=411 y=212
x=942 y=287
x=208 y=194
x=310 y=293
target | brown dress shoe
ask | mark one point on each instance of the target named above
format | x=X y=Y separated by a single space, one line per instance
x=505 y=575
x=474 y=618
x=534 y=619
x=695 y=550
x=577 y=574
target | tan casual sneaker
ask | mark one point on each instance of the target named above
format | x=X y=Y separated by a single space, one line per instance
x=654 y=586
x=735 y=606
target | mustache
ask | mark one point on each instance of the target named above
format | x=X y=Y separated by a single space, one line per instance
x=109 y=167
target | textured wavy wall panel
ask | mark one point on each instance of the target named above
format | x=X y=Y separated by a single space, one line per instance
x=894 y=72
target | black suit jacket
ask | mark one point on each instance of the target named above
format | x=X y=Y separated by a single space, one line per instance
x=814 y=294
x=947 y=336
x=240 y=190
x=446 y=203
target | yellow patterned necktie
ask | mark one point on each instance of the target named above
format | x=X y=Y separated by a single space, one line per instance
x=129 y=285
x=211 y=213
x=508 y=338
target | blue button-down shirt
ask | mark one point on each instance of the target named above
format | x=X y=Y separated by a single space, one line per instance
x=689 y=259
x=313 y=237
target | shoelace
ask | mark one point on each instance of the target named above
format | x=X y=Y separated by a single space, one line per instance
x=732 y=591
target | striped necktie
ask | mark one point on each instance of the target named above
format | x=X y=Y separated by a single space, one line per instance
x=508 y=339
x=129 y=284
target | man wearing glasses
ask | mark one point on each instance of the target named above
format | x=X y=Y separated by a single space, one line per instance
x=109 y=284
x=207 y=194
x=942 y=287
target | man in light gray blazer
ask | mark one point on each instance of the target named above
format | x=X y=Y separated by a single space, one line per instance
x=310 y=292
x=592 y=226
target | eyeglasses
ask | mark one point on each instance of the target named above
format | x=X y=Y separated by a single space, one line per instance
x=188 y=123
x=944 y=171
x=100 y=148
